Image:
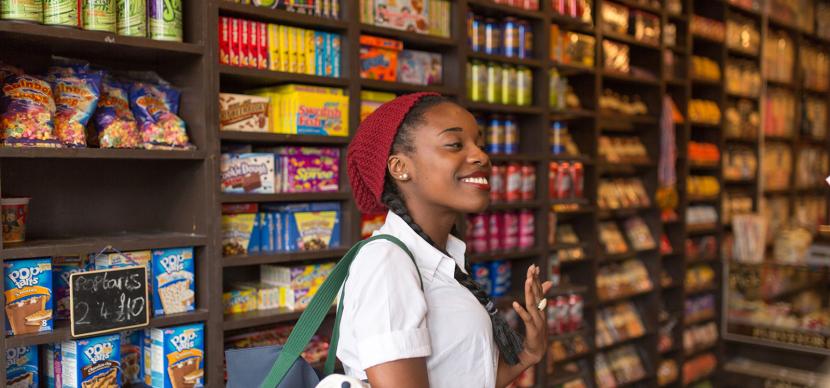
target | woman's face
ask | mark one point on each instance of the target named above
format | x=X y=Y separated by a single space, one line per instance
x=448 y=170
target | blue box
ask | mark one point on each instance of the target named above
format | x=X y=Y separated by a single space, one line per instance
x=174 y=288
x=22 y=367
x=28 y=290
x=306 y=226
x=91 y=362
x=177 y=357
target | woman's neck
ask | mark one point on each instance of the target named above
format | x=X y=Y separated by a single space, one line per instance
x=436 y=223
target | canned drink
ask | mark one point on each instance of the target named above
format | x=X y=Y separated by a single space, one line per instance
x=26 y=10
x=575 y=307
x=525 y=39
x=527 y=229
x=477 y=81
x=510 y=31
x=557 y=143
x=99 y=15
x=61 y=13
x=476 y=32
x=578 y=176
x=481 y=274
x=562 y=312
x=492 y=37
x=513 y=189
x=524 y=82
x=500 y=272
x=132 y=18
x=564 y=181
x=493 y=83
x=511 y=231
x=528 y=182
x=165 y=20
x=497 y=183
x=511 y=135
x=531 y=4
x=554 y=270
x=478 y=232
x=495 y=231
x=553 y=176
x=495 y=135
x=508 y=90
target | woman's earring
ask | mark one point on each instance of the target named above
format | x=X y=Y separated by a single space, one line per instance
x=404 y=177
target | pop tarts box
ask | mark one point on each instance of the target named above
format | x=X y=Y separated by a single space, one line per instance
x=132 y=356
x=22 y=367
x=173 y=281
x=28 y=292
x=177 y=358
x=62 y=268
x=481 y=274
x=500 y=273
x=91 y=362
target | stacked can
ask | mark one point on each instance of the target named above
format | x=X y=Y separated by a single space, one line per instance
x=495 y=83
x=557 y=142
x=565 y=314
x=566 y=180
x=531 y=5
x=500 y=231
x=502 y=134
x=510 y=37
x=513 y=182
x=494 y=277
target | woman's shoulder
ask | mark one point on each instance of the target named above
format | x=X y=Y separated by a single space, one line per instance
x=383 y=258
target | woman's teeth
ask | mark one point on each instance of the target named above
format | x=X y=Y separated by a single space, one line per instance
x=478 y=181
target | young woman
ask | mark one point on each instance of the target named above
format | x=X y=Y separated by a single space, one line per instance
x=427 y=324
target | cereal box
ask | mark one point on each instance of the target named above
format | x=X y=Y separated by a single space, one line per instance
x=240 y=230
x=178 y=355
x=405 y=15
x=22 y=367
x=419 y=67
x=320 y=52
x=240 y=112
x=132 y=356
x=91 y=362
x=336 y=48
x=379 y=58
x=62 y=268
x=265 y=224
x=173 y=281
x=253 y=44
x=28 y=292
x=310 y=53
x=248 y=173
x=307 y=110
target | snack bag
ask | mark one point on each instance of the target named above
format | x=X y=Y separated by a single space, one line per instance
x=155 y=108
x=76 y=96
x=27 y=109
x=114 y=124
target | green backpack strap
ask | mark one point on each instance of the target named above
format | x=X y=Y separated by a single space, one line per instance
x=317 y=310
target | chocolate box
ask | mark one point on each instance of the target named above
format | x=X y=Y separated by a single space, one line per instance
x=91 y=362
x=173 y=281
x=248 y=173
x=306 y=169
x=177 y=356
x=28 y=291
x=22 y=367
x=240 y=112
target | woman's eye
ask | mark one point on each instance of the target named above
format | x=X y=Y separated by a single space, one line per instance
x=455 y=145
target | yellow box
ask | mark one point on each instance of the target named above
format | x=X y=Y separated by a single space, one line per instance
x=301 y=50
x=274 y=59
x=292 y=49
x=284 y=58
x=310 y=53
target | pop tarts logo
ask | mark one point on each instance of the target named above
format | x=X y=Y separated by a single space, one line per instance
x=173 y=263
x=184 y=341
x=99 y=352
x=17 y=356
x=25 y=277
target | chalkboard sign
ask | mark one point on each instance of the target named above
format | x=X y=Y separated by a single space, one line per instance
x=108 y=300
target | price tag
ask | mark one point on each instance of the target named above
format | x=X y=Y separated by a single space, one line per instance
x=108 y=301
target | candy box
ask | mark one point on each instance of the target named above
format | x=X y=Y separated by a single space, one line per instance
x=379 y=58
x=419 y=67
x=371 y=100
x=28 y=292
x=369 y=223
x=240 y=112
x=309 y=226
x=306 y=169
x=173 y=281
x=240 y=229
x=302 y=281
x=405 y=15
x=91 y=362
x=248 y=173
x=22 y=367
x=238 y=300
x=132 y=356
x=178 y=356
x=62 y=268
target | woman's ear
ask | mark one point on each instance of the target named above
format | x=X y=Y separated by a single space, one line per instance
x=399 y=167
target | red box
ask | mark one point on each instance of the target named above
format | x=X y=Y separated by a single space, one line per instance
x=262 y=39
x=253 y=43
x=234 y=42
x=224 y=40
x=243 y=43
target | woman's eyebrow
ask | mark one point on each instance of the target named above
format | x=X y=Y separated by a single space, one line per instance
x=453 y=129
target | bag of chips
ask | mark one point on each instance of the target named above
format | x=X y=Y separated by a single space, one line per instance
x=155 y=107
x=114 y=124
x=76 y=96
x=27 y=110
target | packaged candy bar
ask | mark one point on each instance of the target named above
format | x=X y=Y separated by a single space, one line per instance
x=62 y=268
x=28 y=291
x=173 y=281
x=155 y=108
x=239 y=112
x=27 y=114
x=113 y=120
x=177 y=356
x=91 y=362
x=22 y=367
x=248 y=173
x=76 y=96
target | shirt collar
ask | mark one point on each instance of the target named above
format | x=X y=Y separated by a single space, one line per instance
x=428 y=257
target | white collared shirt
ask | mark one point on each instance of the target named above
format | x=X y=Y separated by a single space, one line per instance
x=387 y=317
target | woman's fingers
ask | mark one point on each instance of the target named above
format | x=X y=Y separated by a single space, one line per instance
x=531 y=298
x=522 y=313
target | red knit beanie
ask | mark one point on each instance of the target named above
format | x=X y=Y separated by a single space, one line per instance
x=370 y=148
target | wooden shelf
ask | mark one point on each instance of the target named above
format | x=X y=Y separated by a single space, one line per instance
x=515 y=205
x=99 y=153
x=572 y=114
x=703 y=198
x=789 y=85
x=265 y=14
x=701 y=319
x=277 y=138
x=62 y=332
x=623 y=77
x=627 y=212
x=400 y=87
x=621 y=342
x=742 y=95
x=286 y=197
x=704 y=166
x=283 y=257
x=572 y=24
x=503 y=255
x=707 y=40
x=698 y=124
x=566 y=290
x=617 y=119
x=702 y=230
x=262 y=318
x=503 y=9
x=622 y=297
x=680 y=50
x=746 y=11
x=246 y=78
x=643 y=7
x=73 y=246
x=499 y=108
x=501 y=158
x=629 y=40
x=742 y=53
x=707 y=82
x=566 y=158
x=570 y=69
x=711 y=288
x=410 y=39
x=529 y=62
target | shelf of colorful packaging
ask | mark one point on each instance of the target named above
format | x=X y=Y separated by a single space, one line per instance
x=560 y=379
x=743 y=95
x=283 y=257
x=572 y=114
x=504 y=9
x=501 y=108
x=62 y=333
x=515 y=205
x=522 y=157
x=789 y=85
x=505 y=255
x=263 y=317
x=623 y=297
x=264 y=14
x=572 y=24
x=701 y=319
x=616 y=118
x=286 y=197
x=401 y=87
x=703 y=198
x=605 y=214
x=560 y=246
x=573 y=334
x=92 y=244
x=566 y=289
x=276 y=138
x=706 y=39
x=529 y=62
x=248 y=78
x=706 y=82
x=99 y=153
x=569 y=70
x=75 y=41
x=709 y=288
x=411 y=40
x=629 y=40
x=573 y=357
x=697 y=230
x=698 y=351
x=571 y=209
x=618 y=343
x=742 y=53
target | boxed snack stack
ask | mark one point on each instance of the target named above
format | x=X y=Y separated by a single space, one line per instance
x=173 y=281
x=177 y=356
x=91 y=362
x=248 y=173
x=22 y=367
x=28 y=292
